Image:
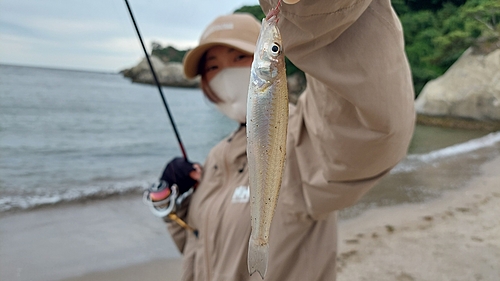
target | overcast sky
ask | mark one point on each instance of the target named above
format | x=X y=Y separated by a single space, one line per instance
x=99 y=34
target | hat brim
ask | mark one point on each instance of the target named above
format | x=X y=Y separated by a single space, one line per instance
x=193 y=57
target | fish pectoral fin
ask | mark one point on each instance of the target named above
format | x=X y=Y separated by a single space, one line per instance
x=257 y=258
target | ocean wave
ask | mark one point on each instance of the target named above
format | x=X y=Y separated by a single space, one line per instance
x=414 y=161
x=31 y=201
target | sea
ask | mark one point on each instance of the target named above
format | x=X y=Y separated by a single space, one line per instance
x=69 y=135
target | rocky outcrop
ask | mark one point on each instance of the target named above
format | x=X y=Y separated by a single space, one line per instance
x=469 y=89
x=168 y=74
x=171 y=74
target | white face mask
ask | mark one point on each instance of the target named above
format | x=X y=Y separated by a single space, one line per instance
x=231 y=86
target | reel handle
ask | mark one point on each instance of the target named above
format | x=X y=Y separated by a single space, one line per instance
x=163 y=207
x=166 y=202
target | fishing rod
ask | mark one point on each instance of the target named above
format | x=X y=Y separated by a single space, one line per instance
x=159 y=199
x=170 y=117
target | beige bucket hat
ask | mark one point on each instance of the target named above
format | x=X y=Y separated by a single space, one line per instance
x=239 y=31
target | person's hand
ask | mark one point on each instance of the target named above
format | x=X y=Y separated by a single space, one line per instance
x=291 y=1
x=176 y=184
x=182 y=173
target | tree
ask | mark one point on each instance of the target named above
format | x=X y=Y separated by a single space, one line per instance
x=487 y=14
x=168 y=53
x=431 y=5
x=474 y=24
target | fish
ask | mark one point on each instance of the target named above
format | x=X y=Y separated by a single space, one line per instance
x=267 y=125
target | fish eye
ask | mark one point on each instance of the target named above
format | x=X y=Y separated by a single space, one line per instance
x=275 y=48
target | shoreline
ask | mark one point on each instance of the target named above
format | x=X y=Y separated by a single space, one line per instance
x=22 y=199
x=453 y=237
x=458 y=123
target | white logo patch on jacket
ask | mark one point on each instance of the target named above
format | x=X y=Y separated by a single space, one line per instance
x=241 y=194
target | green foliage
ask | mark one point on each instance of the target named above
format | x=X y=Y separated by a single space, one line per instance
x=400 y=7
x=431 y=5
x=486 y=14
x=438 y=32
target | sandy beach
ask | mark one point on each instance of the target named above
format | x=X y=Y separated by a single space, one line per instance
x=455 y=237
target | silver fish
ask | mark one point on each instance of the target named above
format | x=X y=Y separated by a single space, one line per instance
x=267 y=123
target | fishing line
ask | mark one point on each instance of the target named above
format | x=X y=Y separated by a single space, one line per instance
x=157 y=83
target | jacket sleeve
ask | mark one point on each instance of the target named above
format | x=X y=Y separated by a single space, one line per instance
x=355 y=119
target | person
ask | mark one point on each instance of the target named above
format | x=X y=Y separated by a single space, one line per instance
x=350 y=126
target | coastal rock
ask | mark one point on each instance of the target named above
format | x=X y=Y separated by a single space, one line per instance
x=470 y=88
x=168 y=74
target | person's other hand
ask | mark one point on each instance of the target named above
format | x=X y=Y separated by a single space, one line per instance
x=183 y=173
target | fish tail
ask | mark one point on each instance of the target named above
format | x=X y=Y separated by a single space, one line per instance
x=257 y=258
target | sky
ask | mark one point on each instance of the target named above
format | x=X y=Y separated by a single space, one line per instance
x=99 y=35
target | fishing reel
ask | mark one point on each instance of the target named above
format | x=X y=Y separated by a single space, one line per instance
x=164 y=200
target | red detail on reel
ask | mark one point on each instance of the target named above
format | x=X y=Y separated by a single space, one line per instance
x=159 y=195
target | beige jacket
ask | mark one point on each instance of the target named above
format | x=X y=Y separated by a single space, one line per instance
x=349 y=128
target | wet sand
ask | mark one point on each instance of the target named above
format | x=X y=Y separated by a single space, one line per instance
x=163 y=269
x=454 y=237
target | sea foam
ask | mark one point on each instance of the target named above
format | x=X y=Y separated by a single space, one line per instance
x=414 y=161
x=27 y=201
